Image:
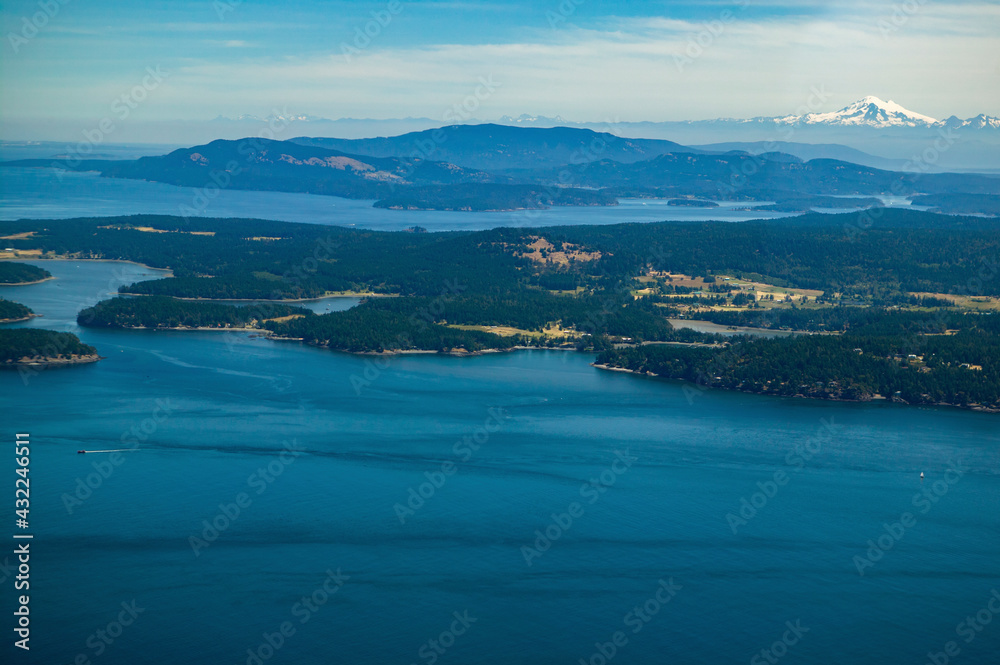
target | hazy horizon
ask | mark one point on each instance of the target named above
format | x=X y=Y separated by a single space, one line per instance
x=69 y=65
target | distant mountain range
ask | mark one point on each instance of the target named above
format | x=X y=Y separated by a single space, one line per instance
x=809 y=151
x=866 y=112
x=500 y=147
x=887 y=134
x=873 y=112
x=496 y=167
x=266 y=165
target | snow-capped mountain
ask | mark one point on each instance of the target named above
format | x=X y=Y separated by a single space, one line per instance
x=869 y=112
x=527 y=119
x=874 y=112
x=981 y=121
x=274 y=117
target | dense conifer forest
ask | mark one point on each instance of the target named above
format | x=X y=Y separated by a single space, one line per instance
x=911 y=290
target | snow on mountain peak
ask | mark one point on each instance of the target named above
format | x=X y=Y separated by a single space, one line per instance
x=869 y=111
x=528 y=119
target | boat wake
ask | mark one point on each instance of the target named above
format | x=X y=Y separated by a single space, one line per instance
x=118 y=450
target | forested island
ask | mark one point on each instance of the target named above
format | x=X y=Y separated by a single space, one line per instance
x=13 y=312
x=800 y=203
x=692 y=203
x=21 y=274
x=512 y=168
x=33 y=347
x=161 y=312
x=892 y=283
x=492 y=197
x=913 y=358
x=965 y=204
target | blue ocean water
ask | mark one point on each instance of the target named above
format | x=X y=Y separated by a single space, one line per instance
x=629 y=479
x=35 y=193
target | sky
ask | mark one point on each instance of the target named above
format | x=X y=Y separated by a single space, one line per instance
x=72 y=63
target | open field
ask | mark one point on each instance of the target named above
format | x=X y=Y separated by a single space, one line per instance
x=978 y=303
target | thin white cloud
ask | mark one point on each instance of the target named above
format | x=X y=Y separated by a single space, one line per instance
x=942 y=59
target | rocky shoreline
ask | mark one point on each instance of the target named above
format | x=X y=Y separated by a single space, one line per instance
x=875 y=398
x=22 y=319
x=45 y=361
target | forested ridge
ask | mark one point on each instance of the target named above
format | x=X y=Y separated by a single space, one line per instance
x=13 y=311
x=165 y=312
x=498 y=169
x=959 y=369
x=40 y=346
x=883 y=280
x=868 y=255
x=12 y=272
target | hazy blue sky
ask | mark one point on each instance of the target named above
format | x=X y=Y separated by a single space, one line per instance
x=582 y=59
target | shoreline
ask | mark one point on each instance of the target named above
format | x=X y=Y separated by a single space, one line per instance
x=37 y=281
x=495 y=210
x=22 y=319
x=412 y=352
x=66 y=257
x=346 y=294
x=180 y=328
x=40 y=361
x=978 y=408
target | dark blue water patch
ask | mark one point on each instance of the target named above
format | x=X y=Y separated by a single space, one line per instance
x=42 y=193
x=210 y=421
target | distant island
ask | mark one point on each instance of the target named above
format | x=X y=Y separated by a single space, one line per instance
x=868 y=362
x=807 y=203
x=983 y=204
x=887 y=289
x=14 y=312
x=692 y=203
x=163 y=313
x=21 y=274
x=493 y=198
x=33 y=347
x=482 y=168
